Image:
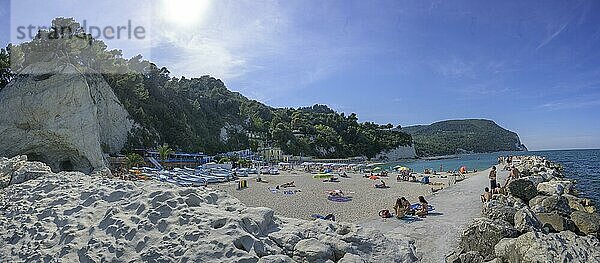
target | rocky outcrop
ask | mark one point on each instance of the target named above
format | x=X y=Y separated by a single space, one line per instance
x=555 y=222
x=588 y=223
x=483 y=234
x=17 y=170
x=547 y=204
x=63 y=115
x=400 y=152
x=555 y=187
x=495 y=209
x=523 y=189
x=553 y=247
x=82 y=218
x=551 y=223
x=526 y=220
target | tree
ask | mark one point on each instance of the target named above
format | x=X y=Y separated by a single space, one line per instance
x=6 y=74
x=164 y=151
x=134 y=160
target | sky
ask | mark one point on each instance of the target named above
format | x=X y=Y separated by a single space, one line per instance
x=531 y=66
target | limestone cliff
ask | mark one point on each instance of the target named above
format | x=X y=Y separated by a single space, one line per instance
x=62 y=115
x=401 y=152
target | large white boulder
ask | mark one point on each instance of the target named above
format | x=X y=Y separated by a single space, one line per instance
x=62 y=115
x=554 y=247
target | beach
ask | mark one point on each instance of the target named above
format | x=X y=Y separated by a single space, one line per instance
x=311 y=199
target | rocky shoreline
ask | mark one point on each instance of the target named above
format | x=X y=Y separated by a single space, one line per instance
x=74 y=217
x=539 y=219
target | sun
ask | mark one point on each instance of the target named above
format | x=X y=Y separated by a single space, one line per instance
x=184 y=12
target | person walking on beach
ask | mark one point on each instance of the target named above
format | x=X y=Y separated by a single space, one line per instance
x=493 y=179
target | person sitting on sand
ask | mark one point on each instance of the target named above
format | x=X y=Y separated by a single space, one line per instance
x=336 y=193
x=486 y=196
x=381 y=185
x=406 y=205
x=399 y=209
x=423 y=210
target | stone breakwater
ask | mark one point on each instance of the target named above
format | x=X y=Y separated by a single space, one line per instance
x=540 y=218
x=73 y=217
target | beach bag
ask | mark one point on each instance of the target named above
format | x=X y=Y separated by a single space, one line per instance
x=385 y=213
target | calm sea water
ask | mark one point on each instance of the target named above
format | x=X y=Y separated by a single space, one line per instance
x=581 y=165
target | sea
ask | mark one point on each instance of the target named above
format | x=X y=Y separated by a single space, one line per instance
x=580 y=165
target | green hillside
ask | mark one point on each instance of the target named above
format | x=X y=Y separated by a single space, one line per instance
x=462 y=136
x=200 y=114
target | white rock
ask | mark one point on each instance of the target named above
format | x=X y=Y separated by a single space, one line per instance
x=276 y=259
x=66 y=118
x=351 y=258
x=554 y=247
x=312 y=250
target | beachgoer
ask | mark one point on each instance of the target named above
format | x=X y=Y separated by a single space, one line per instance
x=381 y=185
x=423 y=210
x=515 y=173
x=399 y=208
x=492 y=177
x=288 y=184
x=486 y=196
x=406 y=206
x=335 y=193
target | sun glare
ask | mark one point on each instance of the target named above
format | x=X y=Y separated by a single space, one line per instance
x=184 y=12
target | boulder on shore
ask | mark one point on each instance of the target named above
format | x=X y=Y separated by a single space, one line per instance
x=65 y=116
x=555 y=187
x=523 y=189
x=554 y=247
x=17 y=170
x=497 y=209
x=556 y=222
x=526 y=220
x=547 y=204
x=587 y=223
x=483 y=234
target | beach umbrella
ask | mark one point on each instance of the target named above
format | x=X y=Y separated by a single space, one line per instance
x=373 y=177
x=463 y=169
x=376 y=168
x=397 y=167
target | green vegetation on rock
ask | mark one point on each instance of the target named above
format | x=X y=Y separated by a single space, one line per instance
x=200 y=114
x=462 y=136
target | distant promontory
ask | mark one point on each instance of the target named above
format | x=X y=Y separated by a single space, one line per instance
x=463 y=136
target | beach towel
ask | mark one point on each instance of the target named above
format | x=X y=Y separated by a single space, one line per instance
x=273 y=190
x=418 y=206
x=335 y=198
x=289 y=192
x=381 y=186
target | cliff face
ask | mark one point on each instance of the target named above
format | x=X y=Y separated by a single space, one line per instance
x=63 y=116
x=401 y=152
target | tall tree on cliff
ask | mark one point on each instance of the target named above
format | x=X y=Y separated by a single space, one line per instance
x=6 y=73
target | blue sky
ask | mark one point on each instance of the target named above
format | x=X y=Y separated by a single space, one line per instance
x=533 y=67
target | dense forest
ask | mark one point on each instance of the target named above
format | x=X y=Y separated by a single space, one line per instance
x=462 y=136
x=200 y=114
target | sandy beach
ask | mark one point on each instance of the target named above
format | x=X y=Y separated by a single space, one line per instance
x=366 y=201
x=436 y=235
